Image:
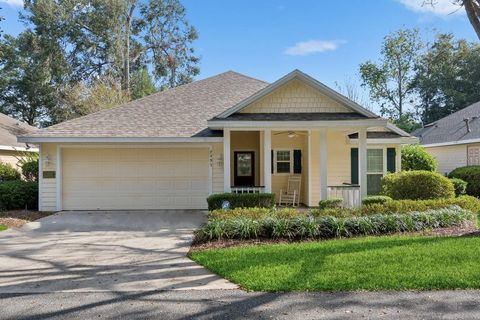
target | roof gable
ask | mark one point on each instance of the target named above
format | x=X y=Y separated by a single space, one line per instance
x=297 y=92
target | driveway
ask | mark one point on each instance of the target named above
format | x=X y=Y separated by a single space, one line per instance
x=104 y=251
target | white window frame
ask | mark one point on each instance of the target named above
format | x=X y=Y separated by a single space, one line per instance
x=275 y=162
x=384 y=162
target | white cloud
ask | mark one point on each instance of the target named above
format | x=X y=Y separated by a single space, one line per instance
x=13 y=3
x=305 y=48
x=436 y=7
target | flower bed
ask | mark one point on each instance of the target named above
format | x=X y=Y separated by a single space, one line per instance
x=324 y=227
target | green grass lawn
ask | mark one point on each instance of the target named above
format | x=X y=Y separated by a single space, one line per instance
x=372 y=263
x=3 y=227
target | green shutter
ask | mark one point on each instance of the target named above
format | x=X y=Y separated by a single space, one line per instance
x=391 y=163
x=354 y=165
x=297 y=161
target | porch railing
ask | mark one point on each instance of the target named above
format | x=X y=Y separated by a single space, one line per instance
x=349 y=193
x=248 y=189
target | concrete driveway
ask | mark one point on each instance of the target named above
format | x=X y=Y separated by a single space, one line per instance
x=104 y=251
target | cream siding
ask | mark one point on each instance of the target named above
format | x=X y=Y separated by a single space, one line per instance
x=9 y=157
x=217 y=167
x=449 y=157
x=48 y=186
x=295 y=96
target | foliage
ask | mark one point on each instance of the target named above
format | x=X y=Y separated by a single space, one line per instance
x=254 y=213
x=390 y=81
x=417 y=185
x=460 y=186
x=3 y=227
x=407 y=122
x=368 y=263
x=471 y=175
x=328 y=227
x=29 y=166
x=241 y=200
x=401 y=207
x=141 y=84
x=445 y=81
x=375 y=199
x=8 y=173
x=415 y=157
x=18 y=195
x=330 y=203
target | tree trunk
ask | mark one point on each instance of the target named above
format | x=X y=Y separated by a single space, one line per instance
x=472 y=7
x=126 y=62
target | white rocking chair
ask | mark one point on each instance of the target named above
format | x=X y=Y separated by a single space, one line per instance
x=292 y=195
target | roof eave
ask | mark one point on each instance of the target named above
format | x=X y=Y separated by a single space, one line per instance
x=59 y=139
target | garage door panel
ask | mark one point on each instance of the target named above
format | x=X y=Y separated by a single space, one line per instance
x=135 y=178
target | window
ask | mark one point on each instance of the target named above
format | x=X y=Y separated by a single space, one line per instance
x=375 y=170
x=283 y=160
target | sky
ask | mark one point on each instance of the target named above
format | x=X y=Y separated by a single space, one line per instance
x=326 y=39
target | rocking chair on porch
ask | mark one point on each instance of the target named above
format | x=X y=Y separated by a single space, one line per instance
x=292 y=195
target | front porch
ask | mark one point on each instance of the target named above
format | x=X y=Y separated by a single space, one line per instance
x=331 y=162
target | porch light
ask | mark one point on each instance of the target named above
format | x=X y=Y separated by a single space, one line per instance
x=291 y=134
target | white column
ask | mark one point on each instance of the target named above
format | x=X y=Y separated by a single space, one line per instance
x=323 y=159
x=226 y=160
x=261 y=158
x=267 y=160
x=362 y=161
x=58 y=177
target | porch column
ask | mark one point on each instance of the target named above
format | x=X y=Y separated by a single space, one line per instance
x=362 y=161
x=323 y=160
x=267 y=160
x=226 y=160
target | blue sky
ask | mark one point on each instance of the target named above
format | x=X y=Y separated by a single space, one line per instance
x=326 y=39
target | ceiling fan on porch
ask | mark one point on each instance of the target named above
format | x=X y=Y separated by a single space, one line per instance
x=290 y=134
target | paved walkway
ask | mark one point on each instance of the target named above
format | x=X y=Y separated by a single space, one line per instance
x=104 y=251
x=236 y=304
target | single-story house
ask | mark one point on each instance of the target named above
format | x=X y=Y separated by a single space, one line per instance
x=11 y=150
x=454 y=140
x=226 y=133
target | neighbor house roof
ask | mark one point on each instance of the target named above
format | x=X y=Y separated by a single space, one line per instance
x=9 y=130
x=179 y=112
x=460 y=127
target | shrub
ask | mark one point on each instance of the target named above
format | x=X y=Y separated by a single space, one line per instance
x=8 y=173
x=308 y=227
x=254 y=213
x=375 y=199
x=402 y=207
x=30 y=169
x=415 y=157
x=460 y=186
x=330 y=203
x=241 y=200
x=417 y=185
x=18 y=195
x=471 y=175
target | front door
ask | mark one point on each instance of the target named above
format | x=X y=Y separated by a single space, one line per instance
x=244 y=168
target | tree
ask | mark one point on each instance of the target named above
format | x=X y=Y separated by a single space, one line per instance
x=141 y=84
x=351 y=90
x=29 y=73
x=447 y=78
x=472 y=8
x=390 y=81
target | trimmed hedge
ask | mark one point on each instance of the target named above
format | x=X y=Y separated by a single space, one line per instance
x=254 y=213
x=375 y=199
x=402 y=207
x=417 y=185
x=460 y=186
x=309 y=227
x=18 y=195
x=8 y=173
x=330 y=203
x=471 y=175
x=30 y=169
x=415 y=157
x=241 y=200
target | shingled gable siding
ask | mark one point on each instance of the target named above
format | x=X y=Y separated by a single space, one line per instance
x=295 y=96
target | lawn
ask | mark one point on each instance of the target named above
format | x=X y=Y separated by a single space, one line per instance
x=371 y=263
x=3 y=227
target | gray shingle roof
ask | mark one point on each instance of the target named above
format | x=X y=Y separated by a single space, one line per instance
x=293 y=116
x=9 y=130
x=452 y=128
x=377 y=135
x=179 y=112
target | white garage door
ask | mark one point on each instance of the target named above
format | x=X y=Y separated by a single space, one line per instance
x=135 y=178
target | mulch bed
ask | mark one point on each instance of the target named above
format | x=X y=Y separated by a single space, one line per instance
x=17 y=218
x=469 y=231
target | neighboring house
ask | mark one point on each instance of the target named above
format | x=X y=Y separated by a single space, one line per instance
x=11 y=150
x=230 y=132
x=454 y=140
